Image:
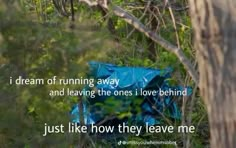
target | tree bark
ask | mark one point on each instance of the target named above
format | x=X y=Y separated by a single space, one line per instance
x=214 y=23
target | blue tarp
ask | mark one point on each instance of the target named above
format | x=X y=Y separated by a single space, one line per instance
x=131 y=79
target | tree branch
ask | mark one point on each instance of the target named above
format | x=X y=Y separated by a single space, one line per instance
x=132 y=20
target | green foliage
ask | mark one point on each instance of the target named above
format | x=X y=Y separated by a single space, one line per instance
x=40 y=50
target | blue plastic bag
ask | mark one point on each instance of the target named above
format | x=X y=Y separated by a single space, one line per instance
x=132 y=79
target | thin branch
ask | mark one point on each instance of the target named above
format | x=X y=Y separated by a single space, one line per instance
x=174 y=25
x=90 y=3
x=143 y=15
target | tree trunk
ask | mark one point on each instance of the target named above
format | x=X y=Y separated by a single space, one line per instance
x=214 y=23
